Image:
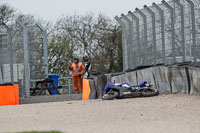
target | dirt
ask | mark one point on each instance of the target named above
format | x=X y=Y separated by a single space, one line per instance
x=168 y=113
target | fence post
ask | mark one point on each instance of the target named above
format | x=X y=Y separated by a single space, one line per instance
x=124 y=42
x=193 y=30
x=44 y=33
x=153 y=31
x=69 y=86
x=162 y=23
x=138 y=34
x=130 y=42
x=172 y=29
x=145 y=33
x=26 y=59
x=182 y=28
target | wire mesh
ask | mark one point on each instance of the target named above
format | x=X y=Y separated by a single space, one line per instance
x=184 y=45
x=35 y=56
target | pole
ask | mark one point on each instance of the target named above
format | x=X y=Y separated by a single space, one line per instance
x=162 y=23
x=145 y=33
x=153 y=32
x=26 y=59
x=124 y=43
x=182 y=28
x=138 y=35
x=193 y=30
x=172 y=29
x=45 y=50
x=130 y=42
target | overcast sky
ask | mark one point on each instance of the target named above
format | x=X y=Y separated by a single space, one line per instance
x=51 y=10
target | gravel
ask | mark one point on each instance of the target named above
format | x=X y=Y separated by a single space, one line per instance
x=166 y=113
x=50 y=98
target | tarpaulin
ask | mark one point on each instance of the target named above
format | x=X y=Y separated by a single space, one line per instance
x=131 y=78
x=86 y=89
x=100 y=83
x=161 y=79
x=93 y=91
x=194 y=74
x=145 y=75
x=178 y=79
x=9 y=95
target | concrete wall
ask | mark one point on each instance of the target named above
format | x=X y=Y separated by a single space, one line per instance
x=176 y=79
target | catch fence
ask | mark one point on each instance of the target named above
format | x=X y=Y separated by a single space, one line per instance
x=23 y=52
x=163 y=33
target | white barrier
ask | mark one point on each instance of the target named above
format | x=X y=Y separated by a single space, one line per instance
x=178 y=79
x=131 y=78
x=166 y=79
x=161 y=79
x=145 y=75
x=194 y=74
x=118 y=79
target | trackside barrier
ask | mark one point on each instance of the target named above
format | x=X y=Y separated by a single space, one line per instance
x=86 y=89
x=115 y=79
x=131 y=78
x=173 y=79
x=194 y=76
x=145 y=75
x=93 y=91
x=161 y=79
x=100 y=82
x=178 y=79
x=165 y=79
x=9 y=95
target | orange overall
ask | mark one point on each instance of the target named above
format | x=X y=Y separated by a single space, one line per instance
x=77 y=71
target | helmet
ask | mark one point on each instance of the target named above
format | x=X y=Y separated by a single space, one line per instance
x=85 y=58
x=76 y=58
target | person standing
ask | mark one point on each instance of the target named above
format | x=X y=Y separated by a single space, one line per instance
x=87 y=64
x=77 y=69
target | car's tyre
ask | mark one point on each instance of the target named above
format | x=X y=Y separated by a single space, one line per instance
x=149 y=92
x=110 y=95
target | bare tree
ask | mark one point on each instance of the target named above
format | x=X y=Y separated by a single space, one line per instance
x=97 y=37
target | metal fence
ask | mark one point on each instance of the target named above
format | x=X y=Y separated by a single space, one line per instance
x=162 y=33
x=67 y=85
x=23 y=52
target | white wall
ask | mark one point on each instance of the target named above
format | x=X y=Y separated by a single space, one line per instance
x=17 y=70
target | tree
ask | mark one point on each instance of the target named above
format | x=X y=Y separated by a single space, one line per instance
x=6 y=13
x=60 y=52
x=97 y=37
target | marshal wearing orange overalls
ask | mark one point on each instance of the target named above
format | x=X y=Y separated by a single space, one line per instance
x=77 y=69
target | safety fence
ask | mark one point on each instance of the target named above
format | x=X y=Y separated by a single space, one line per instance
x=162 y=33
x=23 y=52
x=67 y=85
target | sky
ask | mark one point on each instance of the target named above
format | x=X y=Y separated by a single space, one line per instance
x=52 y=10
